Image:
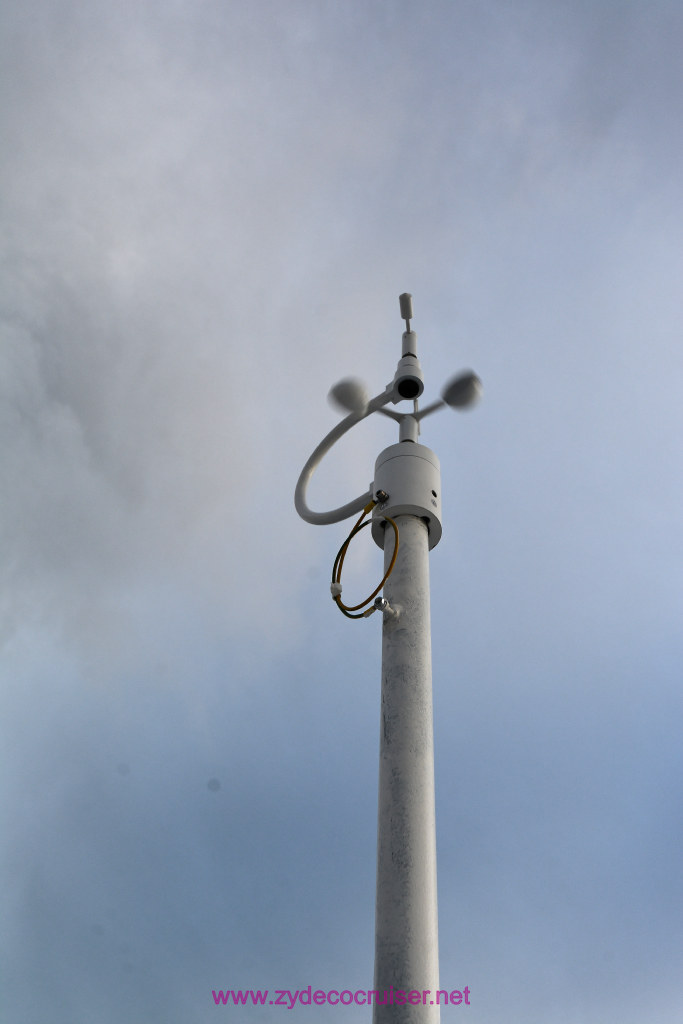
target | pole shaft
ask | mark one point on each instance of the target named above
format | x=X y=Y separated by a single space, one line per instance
x=406 y=928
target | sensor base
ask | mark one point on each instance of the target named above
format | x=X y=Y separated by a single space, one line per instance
x=411 y=476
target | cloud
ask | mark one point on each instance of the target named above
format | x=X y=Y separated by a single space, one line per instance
x=209 y=213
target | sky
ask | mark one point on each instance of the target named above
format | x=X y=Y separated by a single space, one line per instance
x=208 y=211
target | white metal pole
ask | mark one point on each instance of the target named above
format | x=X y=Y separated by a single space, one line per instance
x=407 y=488
x=406 y=927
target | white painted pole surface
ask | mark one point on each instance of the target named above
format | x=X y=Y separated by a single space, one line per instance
x=406 y=927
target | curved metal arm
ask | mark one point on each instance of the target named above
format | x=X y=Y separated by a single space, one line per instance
x=351 y=507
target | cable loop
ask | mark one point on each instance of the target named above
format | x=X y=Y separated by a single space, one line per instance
x=335 y=586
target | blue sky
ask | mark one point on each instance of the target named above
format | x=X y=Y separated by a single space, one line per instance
x=208 y=213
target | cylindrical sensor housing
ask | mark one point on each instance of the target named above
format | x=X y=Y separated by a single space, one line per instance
x=411 y=475
x=408 y=379
x=409 y=344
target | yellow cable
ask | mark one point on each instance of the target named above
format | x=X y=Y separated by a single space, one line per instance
x=339 y=562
